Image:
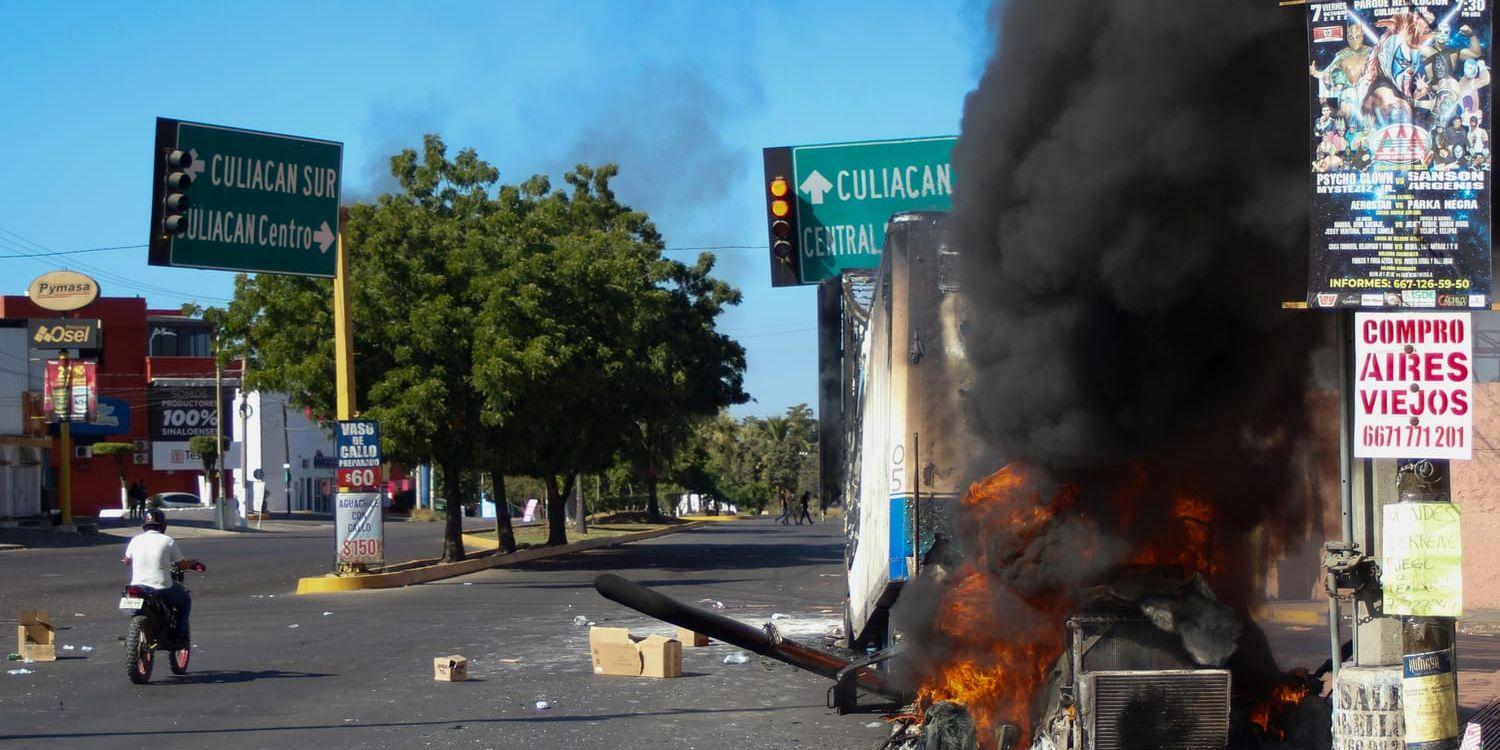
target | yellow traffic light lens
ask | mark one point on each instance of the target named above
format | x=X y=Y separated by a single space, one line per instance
x=779 y=187
x=780 y=208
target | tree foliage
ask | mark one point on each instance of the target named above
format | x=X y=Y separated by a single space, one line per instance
x=505 y=329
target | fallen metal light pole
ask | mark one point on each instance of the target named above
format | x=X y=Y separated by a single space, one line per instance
x=766 y=642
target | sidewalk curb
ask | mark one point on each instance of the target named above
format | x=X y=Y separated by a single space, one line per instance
x=11 y=547
x=438 y=571
x=1291 y=614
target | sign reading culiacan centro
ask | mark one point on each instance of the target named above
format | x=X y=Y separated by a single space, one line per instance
x=62 y=291
x=255 y=202
x=845 y=193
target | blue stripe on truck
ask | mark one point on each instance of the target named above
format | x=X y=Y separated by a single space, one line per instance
x=900 y=538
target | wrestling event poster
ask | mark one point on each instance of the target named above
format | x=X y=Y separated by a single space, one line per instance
x=1400 y=153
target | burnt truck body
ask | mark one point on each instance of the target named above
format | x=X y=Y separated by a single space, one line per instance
x=906 y=438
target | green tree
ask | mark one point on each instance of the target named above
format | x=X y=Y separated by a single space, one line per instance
x=207 y=449
x=414 y=258
x=683 y=370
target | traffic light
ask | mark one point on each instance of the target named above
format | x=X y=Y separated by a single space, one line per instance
x=780 y=205
x=175 y=203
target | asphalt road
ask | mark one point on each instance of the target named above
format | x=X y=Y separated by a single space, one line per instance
x=355 y=670
x=64 y=573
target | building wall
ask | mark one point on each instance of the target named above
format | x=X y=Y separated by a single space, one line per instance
x=270 y=441
x=122 y=371
x=14 y=379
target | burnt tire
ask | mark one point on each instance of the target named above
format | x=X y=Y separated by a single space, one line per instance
x=179 y=660
x=139 y=657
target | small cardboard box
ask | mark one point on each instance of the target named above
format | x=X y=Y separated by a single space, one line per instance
x=35 y=637
x=691 y=639
x=661 y=657
x=615 y=651
x=453 y=668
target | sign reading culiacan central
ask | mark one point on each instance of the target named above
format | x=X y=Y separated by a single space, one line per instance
x=842 y=194
x=242 y=200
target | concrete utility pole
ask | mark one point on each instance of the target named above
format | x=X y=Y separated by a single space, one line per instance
x=286 y=462
x=222 y=520
x=1428 y=643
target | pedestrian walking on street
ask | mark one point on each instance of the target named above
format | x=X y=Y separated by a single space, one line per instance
x=785 y=519
x=136 y=496
x=806 y=498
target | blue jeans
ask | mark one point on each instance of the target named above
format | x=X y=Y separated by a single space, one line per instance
x=177 y=598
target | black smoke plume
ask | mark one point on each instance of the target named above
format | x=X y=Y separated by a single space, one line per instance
x=1132 y=205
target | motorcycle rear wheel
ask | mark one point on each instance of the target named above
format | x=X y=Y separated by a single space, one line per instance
x=138 y=653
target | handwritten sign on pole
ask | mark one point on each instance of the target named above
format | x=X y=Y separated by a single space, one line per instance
x=1422 y=569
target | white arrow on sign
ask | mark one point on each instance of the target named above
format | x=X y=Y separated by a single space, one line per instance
x=815 y=186
x=196 y=168
x=324 y=237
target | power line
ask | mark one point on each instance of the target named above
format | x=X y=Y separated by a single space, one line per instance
x=72 y=252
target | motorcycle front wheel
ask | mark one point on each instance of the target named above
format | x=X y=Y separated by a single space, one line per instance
x=179 y=662
x=138 y=653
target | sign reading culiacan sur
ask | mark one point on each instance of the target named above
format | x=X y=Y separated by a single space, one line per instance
x=845 y=192
x=256 y=202
x=1413 y=385
x=1400 y=148
x=62 y=291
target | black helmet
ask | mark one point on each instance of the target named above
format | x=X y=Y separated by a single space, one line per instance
x=154 y=519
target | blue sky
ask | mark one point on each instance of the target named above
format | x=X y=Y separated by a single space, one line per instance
x=682 y=95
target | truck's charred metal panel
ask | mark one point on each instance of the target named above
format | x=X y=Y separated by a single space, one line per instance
x=907 y=437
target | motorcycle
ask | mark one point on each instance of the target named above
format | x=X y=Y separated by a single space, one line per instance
x=151 y=625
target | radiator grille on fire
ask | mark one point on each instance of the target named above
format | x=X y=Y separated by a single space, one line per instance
x=1177 y=710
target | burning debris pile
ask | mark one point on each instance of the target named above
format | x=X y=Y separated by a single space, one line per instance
x=1131 y=209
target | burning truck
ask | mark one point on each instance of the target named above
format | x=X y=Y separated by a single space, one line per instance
x=1020 y=610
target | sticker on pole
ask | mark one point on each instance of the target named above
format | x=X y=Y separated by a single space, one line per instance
x=1422 y=560
x=1413 y=389
x=361 y=531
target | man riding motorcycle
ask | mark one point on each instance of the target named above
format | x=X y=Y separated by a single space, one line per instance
x=152 y=556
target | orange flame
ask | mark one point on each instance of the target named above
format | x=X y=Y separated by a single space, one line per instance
x=1266 y=714
x=999 y=662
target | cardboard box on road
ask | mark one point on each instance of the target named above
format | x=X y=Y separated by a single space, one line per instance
x=453 y=668
x=661 y=657
x=35 y=637
x=690 y=639
x=615 y=651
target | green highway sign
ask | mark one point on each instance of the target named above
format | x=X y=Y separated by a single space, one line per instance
x=243 y=200
x=841 y=196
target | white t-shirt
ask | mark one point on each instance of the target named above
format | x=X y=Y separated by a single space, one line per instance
x=152 y=556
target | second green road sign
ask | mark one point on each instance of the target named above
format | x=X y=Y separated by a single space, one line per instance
x=845 y=192
x=250 y=201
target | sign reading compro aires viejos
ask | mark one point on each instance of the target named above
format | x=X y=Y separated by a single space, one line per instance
x=845 y=193
x=256 y=202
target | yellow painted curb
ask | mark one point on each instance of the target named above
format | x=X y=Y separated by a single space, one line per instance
x=711 y=519
x=1291 y=615
x=436 y=571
